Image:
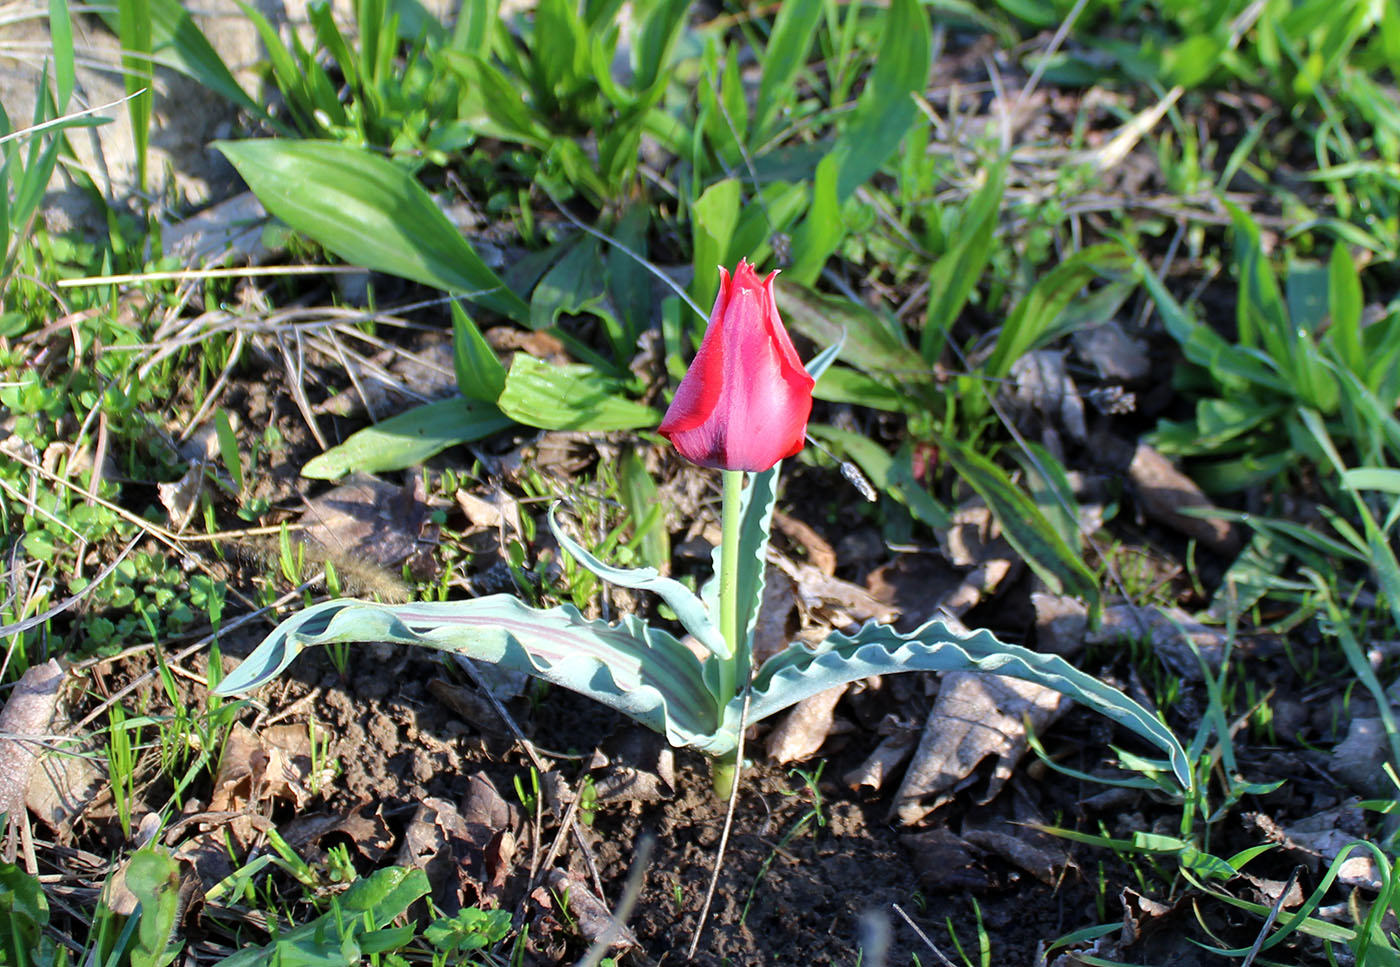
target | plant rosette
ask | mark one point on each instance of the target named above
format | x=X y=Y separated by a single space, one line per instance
x=742 y=407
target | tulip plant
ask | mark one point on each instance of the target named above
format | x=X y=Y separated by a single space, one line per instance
x=741 y=408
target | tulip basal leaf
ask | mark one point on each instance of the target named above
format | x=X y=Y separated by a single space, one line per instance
x=689 y=609
x=794 y=674
x=643 y=672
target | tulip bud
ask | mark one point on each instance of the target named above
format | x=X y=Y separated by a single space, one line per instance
x=744 y=402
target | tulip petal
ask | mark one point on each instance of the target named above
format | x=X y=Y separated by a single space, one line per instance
x=745 y=401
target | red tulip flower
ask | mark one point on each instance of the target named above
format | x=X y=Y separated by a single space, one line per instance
x=744 y=402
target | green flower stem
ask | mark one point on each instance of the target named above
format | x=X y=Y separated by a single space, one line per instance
x=723 y=768
x=730 y=520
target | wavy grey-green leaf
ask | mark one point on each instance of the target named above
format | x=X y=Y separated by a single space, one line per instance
x=874 y=649
x=643 y=672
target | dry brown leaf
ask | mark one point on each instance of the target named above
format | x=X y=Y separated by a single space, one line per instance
x=819 y=553
x=468 y=854
x=805 y=727
x=275 y=764
x=60 y=787
x=1043 y=385
x=1165 y=492
x=364 y=826
x=367 y=518
x=944 y=861
x=975 y=716
x=832 y=601
x=181 y=498
x=1060 y=623
x=638 y=766
x=24 y=724
x=770 y=633
x=500 y=511
x=595 y=923
x=888 y=756
x=1039 y=854
x=1359 y=759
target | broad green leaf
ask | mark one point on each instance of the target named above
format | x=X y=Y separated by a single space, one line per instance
x=776 y=208
x=629 y=281
x=410 y=438
x=689 y=609
x=819 y=234
x=785 y=55
x=480 y=373
x=957 y=271
x=154 y=879
x=475 y=21
x=872 y=343
x=25 y=910
x=572 y=397
x=843 y=385
x=716 y=215
x=1035 y=314
x=369 y=212
x=642 y=672
x=1202 y=345
x=1023 y=524
x=886 y=106
x=492 y=102
x=655 y=42
x=794 y=674
x=1192 y=61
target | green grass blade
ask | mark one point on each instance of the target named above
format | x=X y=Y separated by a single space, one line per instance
x=793 y=30
x=134 y=30
x=1035 y=314
x=369 y=212
x=61 y=36
x=1344 y=303
x=886 y=106
x=410 y=438
x=819 y=234
x=180 y=44
x=1034 y=537
x=957 y=272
